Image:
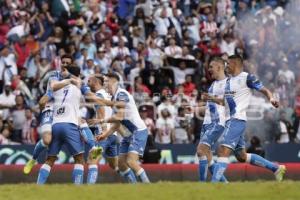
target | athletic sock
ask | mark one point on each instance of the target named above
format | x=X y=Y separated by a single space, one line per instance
x=257 y=160
x=88 y=136
x=77 y=174
x=203 y=165
x=92 y=174
x=129 y=176
x=211 y=167
x=39 y=147
x=220 y=168
x=142 y=176
x=43 y=174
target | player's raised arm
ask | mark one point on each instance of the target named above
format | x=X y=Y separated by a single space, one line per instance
x=270 y=97
x=254 y=83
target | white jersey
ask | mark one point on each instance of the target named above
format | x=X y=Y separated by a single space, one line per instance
x=66 y=105
x=238 y=94
x=107 y=109
x=132 y=119
x=215 y=113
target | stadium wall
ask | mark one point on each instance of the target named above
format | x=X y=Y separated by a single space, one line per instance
x=170 y=154
x=156 y=172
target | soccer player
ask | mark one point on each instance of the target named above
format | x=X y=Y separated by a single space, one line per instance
x=46 y=117
x=134 y=141
x=65 y=128
x=110 y=144
x=214 y=120
x=237 y=96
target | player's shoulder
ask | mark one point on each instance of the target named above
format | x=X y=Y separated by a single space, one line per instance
x=122 y=95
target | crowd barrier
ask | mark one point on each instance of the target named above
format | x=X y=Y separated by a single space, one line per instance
x=156 y=172
x=170 y=154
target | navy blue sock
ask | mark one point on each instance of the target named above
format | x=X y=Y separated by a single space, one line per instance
x=39 y=147
x=203 y=165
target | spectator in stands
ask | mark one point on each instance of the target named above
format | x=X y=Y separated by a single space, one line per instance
x=165 y=128
x=286 y=129
x=182 y=127
x=255 y=147
x=148 y=121
x=7 y=100
x=29 y=132
x=19 y=119
x=166 y=104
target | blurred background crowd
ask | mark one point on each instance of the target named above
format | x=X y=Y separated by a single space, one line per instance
x=160 y=49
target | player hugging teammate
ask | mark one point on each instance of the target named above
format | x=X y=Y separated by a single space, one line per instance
x=62 y=125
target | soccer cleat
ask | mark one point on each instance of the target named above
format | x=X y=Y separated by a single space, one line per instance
x=28 y=167
x=96 y=151
x=280 y=173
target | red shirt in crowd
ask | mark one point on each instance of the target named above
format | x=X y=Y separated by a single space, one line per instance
x=23 y=52
x=188 y=88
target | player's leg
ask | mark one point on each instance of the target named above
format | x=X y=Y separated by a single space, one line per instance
x=135 y=150
x=112 y=152
x=78 y=170
x=210 y=134
x=234 y=129
x=125 y=170
x=72 y=140
x=89 y=139
x=254 y=159
x=45 y=170
x=42 y=144
x=53 y=150
x=203 y=152
x=93 y=169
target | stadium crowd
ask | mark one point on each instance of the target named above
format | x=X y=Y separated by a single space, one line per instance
x=161 y=50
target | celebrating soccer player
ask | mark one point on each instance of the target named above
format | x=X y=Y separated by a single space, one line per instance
x=214 y=120
x=133 y=144
x=237 y=96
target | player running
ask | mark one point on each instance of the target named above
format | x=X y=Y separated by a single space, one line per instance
x=214 y=120
x=110 y=144
x=133 y=144
x=65 y=130
x=237 y=97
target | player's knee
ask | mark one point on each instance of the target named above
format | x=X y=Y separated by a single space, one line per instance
x=78 y=159
x=241 y=156
x=224 y=151
x=50 y=160
x=131 y=162
x=202 y=150
x=47 y=138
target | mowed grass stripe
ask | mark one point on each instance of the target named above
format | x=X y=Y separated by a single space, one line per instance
x=288 y=190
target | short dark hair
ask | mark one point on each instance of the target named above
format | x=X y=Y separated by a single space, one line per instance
x=218 y=59
x=236 y=57
x=67 y=56
x=99 y=78
x=113 y=75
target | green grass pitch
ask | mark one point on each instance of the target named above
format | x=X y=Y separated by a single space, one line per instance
x=158 y=191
